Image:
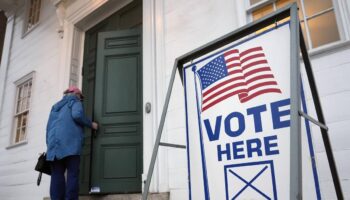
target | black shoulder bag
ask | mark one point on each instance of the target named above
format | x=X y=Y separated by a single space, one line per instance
x=42 y=166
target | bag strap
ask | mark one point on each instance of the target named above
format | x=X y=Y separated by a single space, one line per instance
x=39 y=179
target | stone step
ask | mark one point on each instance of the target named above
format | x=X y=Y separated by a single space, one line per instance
x=152 y=196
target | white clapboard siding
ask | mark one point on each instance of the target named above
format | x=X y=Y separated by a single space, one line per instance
x=187 y=27
x=330 y=71
x=38 y=51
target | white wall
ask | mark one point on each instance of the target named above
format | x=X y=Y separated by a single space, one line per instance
x=37 y=51
x=188 y=25
x=331 y=70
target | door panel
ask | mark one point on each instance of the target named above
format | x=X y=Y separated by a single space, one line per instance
x=117 y=148
x=121 y=99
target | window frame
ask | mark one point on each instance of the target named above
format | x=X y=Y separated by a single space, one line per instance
x=340 y=9
x=19 y=83
x=25 y=30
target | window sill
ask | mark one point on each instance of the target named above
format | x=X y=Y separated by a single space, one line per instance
x=333 y=47
x=25 y=33
x=17 y=144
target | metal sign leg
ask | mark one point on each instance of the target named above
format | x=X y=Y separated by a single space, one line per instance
x=159 y=133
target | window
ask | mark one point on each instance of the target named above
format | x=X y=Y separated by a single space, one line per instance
x=317 y=17
x=23 y=94
x=33 y=14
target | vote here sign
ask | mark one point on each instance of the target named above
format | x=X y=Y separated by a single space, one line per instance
x=238 y=120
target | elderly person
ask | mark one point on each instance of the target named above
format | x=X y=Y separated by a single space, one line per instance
x=64 y=139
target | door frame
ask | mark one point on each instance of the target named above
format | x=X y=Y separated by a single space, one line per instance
x=81 y=16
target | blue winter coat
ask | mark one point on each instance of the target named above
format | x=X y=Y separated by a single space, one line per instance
x=64 y=132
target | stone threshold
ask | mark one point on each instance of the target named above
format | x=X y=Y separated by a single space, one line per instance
x=152 y=196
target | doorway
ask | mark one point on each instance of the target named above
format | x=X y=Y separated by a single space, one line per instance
x=111 y=160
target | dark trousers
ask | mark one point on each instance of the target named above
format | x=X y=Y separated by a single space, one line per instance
x=60 y=188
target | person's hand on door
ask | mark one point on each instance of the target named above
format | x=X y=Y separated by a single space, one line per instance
x=94 y=125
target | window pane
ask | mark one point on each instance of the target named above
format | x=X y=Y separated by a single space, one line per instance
x=30 y=89
x=24 y=120
x=252 y=2
x=23 y=134
x=33 y=13
x=262 y=12
x=304 y=34
x=27 y=104
x=19 y=93
x=29 y=94
x=323 y=29
x=314 y=6
x=18 y=121
x=37 y=13
x=18 y=106
x=18 y=133
x=23 y=104
x=25 y=88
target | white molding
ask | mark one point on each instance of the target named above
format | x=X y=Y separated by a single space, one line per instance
x=342 y=13
x=25 y=78
x=328 y=48
x=154 y=89
x=159 y=90
x=9 y=14
x=154 y=84
x=8 y=40
x=86 y=15
x=65 y=57
x=242 y=18
x=82 y=8
x=21 y=143
x=61 y=13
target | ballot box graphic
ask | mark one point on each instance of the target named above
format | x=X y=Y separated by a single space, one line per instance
x=254 y=180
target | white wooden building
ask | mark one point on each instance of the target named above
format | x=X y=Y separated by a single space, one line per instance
x=51 y=44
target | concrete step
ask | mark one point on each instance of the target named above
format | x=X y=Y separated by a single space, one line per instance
x=153 y=196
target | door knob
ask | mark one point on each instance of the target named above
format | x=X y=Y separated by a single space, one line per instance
x=148 y=107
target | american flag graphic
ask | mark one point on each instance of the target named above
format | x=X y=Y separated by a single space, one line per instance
x=245 y=74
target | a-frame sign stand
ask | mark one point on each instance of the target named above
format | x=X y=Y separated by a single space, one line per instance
x=297 y=45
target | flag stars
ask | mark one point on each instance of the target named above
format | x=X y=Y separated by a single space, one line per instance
x=213 y=71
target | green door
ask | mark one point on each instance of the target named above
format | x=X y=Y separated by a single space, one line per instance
x=117 y=146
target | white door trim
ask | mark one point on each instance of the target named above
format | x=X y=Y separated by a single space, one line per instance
x=154 y=88
x=82 y=15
